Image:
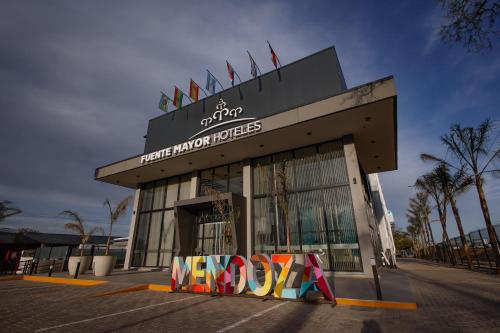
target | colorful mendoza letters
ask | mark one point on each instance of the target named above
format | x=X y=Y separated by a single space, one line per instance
x=218 y=274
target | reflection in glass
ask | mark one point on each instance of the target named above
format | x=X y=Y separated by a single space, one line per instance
x=154 y=239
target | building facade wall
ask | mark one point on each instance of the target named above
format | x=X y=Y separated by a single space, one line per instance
x=328 y=211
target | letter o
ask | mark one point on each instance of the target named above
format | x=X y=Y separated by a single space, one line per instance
x=253 y=283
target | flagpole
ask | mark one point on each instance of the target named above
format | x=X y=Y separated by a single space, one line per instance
x=198 y=87
x=260 y=73
x=236 y=74
x=279 y=62
x=216 y=80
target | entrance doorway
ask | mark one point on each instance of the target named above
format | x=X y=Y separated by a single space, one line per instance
x=212 y=235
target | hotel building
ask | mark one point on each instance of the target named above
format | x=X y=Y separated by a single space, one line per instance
x=299 y=125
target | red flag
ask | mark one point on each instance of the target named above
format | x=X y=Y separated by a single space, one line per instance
x=274 y=57
x=230 y=72
x=194 y=91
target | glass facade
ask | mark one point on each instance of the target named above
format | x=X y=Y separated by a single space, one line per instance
x=154 y=237
x=320 y=211
x=226 y=178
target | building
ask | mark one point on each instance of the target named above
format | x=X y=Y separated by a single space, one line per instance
x=301 y=121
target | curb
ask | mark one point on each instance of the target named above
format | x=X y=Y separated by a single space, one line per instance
x=57 y=280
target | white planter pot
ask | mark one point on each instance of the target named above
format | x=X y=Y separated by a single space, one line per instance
x=103 y=265
x=84 y=265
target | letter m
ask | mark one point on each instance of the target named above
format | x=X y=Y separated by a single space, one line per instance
x=180 y=271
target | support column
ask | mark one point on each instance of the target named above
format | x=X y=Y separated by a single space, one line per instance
x=248 y=194
x=194 y=185
x=131 y=230
x=359 y=204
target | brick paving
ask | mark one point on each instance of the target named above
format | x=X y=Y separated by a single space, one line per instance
x=450 y=300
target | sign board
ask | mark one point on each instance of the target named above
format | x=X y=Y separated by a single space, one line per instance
x=222 y=116
x=226 y=274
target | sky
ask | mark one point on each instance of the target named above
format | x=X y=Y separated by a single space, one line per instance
x=80 y=80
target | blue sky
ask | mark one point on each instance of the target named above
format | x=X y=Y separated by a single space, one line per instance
x=79 y=82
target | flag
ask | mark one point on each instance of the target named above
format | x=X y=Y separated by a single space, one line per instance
x=210 y=83
x=194 y=90
x=274 y=57
x=178 y=95
x=253 y=66
x=230 y=72
x=163 y=105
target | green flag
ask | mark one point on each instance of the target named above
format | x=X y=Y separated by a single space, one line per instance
x=163 y=105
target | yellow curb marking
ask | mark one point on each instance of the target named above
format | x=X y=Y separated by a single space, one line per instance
x=47 y=279
x=140 y=287
x=377 y=304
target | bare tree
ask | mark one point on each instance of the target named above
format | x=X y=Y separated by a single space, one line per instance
x=6 y=211
x=114 y=215
x=471 y=22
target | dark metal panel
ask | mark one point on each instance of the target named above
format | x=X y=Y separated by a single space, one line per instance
x=305 y=81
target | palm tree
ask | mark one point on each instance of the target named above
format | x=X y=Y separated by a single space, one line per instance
x=114 y=215
x=419 y=210
x=453 y=185
x=6 y=211
x=77 y=226
x=429 y=183
x=472 y=148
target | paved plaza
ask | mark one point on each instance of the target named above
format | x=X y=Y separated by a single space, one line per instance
x=449 y=300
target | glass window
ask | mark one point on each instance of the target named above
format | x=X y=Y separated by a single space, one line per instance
x=172 y=192
x=221 y=175
x=185 y=190
x=147 y=197
x=264 y=225
x=236 y=178
x=306 y=168
x=320 y=212
x=159 y=195
x=262 y=175
x=205 y=181
x=140 y=239
x=154 y=239
x=167 y=239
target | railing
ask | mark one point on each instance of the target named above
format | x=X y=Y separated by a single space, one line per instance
x=480 y=250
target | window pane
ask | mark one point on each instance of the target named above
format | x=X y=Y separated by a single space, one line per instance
x=205 y=181
x=167 y=238
x=159 y=195
x=332 y=163
x=220 y=179
x=154 y=239
x=185 y=190
x=147 y=197
x=262 y=175
x=283 y=167
x=264 y=227
x=236 y=178
x=307 y=172
x=140 y=240
x=172 y=190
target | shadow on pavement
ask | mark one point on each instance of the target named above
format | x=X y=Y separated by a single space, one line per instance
x=132 y=324
x=371 y=326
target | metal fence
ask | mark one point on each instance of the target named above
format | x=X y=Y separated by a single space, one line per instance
x=480 y=249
